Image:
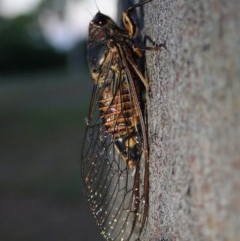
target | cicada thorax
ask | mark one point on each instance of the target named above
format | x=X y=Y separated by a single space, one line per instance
x=120 y=117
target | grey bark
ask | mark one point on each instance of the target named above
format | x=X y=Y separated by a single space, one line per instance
x=194 y=120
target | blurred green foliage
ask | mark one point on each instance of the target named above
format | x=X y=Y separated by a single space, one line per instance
x=42 y=108
x=23 y=47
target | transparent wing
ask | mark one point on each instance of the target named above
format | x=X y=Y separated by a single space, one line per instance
x=114 y=191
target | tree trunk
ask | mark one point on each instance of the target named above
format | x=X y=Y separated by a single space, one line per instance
x=194 y=120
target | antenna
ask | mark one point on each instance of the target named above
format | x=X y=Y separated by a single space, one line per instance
x=87 y=10
x=96 y=5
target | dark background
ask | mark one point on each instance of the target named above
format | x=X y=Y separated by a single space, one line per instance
x=44 y=94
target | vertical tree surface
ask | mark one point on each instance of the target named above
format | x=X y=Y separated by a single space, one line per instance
x=194 y=120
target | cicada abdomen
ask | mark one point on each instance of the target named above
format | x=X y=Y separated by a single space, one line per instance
x=115 y=149
x=121 y=119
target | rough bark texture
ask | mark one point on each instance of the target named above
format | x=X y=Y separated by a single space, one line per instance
x=194 y=120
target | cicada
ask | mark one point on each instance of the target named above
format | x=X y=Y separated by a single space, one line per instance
x=115 y=159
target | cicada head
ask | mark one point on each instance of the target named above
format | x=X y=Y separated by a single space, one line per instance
x=101 y=20
x=100 y=27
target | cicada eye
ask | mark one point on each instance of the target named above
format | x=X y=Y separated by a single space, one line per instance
x=100 y=19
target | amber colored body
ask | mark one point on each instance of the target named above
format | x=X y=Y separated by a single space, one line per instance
x=115 y=167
